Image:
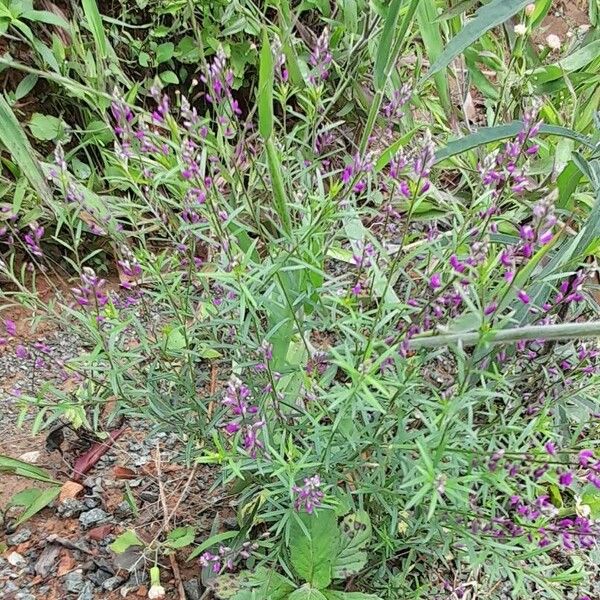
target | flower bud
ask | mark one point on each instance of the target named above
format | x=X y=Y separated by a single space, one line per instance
x=529 y=9
x=553 y=42
x=520 y=29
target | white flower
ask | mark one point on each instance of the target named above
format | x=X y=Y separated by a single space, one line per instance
x=553 y=42
x=529 y=9
x=520 y=29
x=156 y=591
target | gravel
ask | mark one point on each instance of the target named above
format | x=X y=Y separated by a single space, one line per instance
x=69 y=508
x=95 y=516
x=19 y=537
x=73 y=582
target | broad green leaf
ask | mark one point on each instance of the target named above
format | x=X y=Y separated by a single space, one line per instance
x=125 y=540
x=15 y=141
x=573 y=62
x=333 y=595
x=265 y=89
x=590 y=496
x=355 y=533
x=25 y=86
x=45 y=127
x=266 y=583
x=181 y=537
x=312 y=555
x=164 y=52
x=307 y=593
x=488 y=16
x=41 y=500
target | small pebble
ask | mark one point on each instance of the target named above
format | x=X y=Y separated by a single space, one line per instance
x=19 y=537
x=93 y=517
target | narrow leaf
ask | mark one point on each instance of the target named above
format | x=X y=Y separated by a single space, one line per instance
x=265 y=89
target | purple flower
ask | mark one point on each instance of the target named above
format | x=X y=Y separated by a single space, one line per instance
x=523 y=297
x=11 y=327
x=565 y=479
x=585 y=457
x=320 y=58
x=550 y=448
x=21 y=352
x=435 y=281
x=308 y=496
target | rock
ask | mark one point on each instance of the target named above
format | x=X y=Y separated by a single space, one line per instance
x=8 y=587
x=123 y=510
x=91 y=502
x=148 y=496
x=99 y=577
x=87 y=593
x=93 y=517
x=24 y=596
x=18 y=538
x=70 y=489
x=113 y=583
x=30 y=457
x=192 y=588
x=46 y=560
x=73 y=582
x=16 y=560
x=101 y=532
x=70 y=508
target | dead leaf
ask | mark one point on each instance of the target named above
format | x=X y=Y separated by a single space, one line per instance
x=99 y=533
x=123 y=473
x=70 y=489
x=88 y=459
x=66 y=564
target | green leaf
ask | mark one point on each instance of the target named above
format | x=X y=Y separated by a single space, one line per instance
x=590 y=496
x=265 y=89
x=25 y=86
x=164 y=52
x=94 y=21
x=355 y=531
x=24 y=469
x=488 y=16
x=433 y=45
x=16 y=142
x=573 y=62
x=279 y=195
x=266 y=583
x=44 y=16
x=333 y=595
x=385 y=43
x=312 y=555
x=125 y=540
x=37 y=503
x=486 y=135
x=169 y=77
x=181 y=537
x=307 y=593
x=45 y=127
x=212 y=541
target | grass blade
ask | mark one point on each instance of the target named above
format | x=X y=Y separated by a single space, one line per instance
x=385 y=43
x=14 y=139
x=486 y=135
x=485 y=18
x=94 y=19
x=434 y=46
x=265 y=89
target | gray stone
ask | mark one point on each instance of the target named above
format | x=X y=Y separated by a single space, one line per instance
x=19 y=537
x=73 y=582
x=87 y=593
x=93 y=517
x=113 y=583
x=193 y=590
x=148 y=496
x=123 y=510
x=24 y=596
x=91 y=502
x=47 y=560
x=99 y=577
x=70 y=507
